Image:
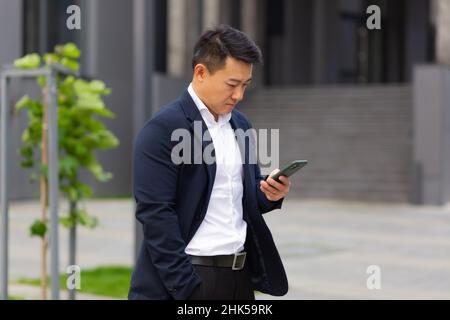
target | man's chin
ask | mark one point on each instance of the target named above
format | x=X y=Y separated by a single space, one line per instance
x=229 y=108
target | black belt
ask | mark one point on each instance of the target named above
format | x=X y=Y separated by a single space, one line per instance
x=234 y=261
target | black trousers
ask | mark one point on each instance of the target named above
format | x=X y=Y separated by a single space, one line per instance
x=220 y=283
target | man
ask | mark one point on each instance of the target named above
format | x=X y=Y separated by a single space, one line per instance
x=204 y=234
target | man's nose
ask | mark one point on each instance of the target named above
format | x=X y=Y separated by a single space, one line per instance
x=238 y=94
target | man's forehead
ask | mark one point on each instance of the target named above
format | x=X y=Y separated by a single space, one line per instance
x=237 y=71
x=234 y=79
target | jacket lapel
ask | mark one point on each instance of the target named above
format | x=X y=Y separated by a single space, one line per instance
x=243 y=147
x=199 y=129
x=235 y=124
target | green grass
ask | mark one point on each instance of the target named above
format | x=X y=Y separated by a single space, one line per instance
x=108 y=281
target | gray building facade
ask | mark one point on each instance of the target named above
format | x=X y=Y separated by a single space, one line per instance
x=368 y=108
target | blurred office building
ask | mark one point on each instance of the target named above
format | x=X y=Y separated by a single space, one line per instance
x=369 y=109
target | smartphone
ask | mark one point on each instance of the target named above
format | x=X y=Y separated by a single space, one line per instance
x=290 y=169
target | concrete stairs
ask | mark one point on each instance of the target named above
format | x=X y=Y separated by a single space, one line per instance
x=357 y=139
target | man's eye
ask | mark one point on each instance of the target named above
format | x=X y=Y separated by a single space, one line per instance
x=232 y=85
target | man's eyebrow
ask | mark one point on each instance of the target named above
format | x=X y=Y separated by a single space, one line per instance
x=239 y=81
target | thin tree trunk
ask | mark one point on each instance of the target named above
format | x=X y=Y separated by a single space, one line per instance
x=72 y=247
x=44 y=197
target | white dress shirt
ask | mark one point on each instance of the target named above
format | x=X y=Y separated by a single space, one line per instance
x=223 y=229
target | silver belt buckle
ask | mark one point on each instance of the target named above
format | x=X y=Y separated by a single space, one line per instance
x=238 y=262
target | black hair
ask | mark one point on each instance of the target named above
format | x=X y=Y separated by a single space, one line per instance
x=215 y=45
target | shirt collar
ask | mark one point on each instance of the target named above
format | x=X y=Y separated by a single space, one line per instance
x=204 y=111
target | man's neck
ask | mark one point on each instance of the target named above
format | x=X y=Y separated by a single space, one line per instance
x=199 y=95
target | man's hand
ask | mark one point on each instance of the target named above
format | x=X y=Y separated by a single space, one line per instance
x=274 y=190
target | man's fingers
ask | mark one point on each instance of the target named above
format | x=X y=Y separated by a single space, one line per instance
x=268 y=187
x=275 y=184
x=269 y=195
x=286 y=182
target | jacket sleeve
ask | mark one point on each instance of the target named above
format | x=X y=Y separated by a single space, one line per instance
x=154 y=186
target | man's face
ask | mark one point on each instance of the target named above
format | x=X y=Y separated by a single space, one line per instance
x=222 y=90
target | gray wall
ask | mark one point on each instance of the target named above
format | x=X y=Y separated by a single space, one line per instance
x=416 y=25
x=432 y=134
x=108 y=50
x=10 y=30
x=10 y=49
x=166 y=89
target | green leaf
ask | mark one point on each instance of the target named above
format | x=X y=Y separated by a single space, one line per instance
x=80 y=86
x=26 y=136
x=87 y=220
x=27 y=163
x=26 y=151
x=74 y=195
x=97 y=86
x=69 y=80
x=108 y=140
x=97 y=170
x=80 y=149
x=104 y=113
x=101 y=138
x=68 y=165
x=69 y=50
x=42 y=81
x=50 y=58
x=38 y=229
x=85 y=190
x=90 y=101
x=68 y=221
x=30 y=61
x=24 y=102
x=94 y=125
x=70 y=64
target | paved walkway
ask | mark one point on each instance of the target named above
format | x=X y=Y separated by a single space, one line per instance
x=34 y=293
x=326 y=247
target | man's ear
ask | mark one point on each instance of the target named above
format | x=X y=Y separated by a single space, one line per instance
x=200 y=72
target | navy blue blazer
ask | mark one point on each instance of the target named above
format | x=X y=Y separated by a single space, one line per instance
x=171 y=202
